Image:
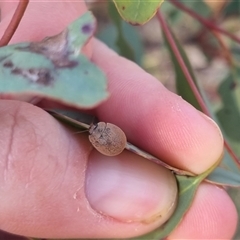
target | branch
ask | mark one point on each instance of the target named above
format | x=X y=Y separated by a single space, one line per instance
x=203 y=21
x=181 y=63
x=17 y=16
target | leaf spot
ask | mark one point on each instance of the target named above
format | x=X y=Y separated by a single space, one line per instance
x=87 y=28
x=60 y=59
x=16 y=71
x=134 y=23
x=41 y=76
x=8 y=64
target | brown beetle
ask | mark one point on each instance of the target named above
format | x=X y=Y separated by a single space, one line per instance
x=107 y=138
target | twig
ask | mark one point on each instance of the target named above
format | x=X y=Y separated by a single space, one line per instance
x=130 y=147
x=231 y=152
x=17 y=16
x=205 y=22
x=225 y=50
x=181 y=63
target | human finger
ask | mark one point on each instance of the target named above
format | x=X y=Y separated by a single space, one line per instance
x=55 y=185
x=211 y=216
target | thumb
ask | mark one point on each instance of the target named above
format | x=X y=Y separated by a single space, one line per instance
x=55 y=185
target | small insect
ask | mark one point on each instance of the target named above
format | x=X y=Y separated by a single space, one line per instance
x=107 y=138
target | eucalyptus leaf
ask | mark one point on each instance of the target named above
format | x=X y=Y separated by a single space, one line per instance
x=179 y=17
x=54 y=68
x=125 y=49
x=137 y=12
x=232 y=8
x=229 y=114
x=200 y=7
x=183 y=87
x=110 y=36
x=227 y=173
x=235 y=196
x=222 y=176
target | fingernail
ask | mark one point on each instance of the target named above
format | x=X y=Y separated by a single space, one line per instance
x=212 y=122
x=129 y=188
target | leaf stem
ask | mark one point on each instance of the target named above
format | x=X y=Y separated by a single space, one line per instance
x=180 y=60
x=12 y=27
x=224 y=49
x=203 y=21
x=130 y=147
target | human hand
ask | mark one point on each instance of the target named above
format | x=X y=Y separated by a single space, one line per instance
x=54 y=185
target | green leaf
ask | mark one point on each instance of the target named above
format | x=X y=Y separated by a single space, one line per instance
x=178 y=18
x=121 y=42
x=122 y=37
x=229 y=114
x=183 y=87
x=110 y=36
x=54 y=68
x=200 y=7
x=187 y=188
x=235 y=196
x=137 y=12
x=227 y=173
x=233 y=8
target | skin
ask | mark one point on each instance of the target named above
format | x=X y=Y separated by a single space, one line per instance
x=43 y=176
